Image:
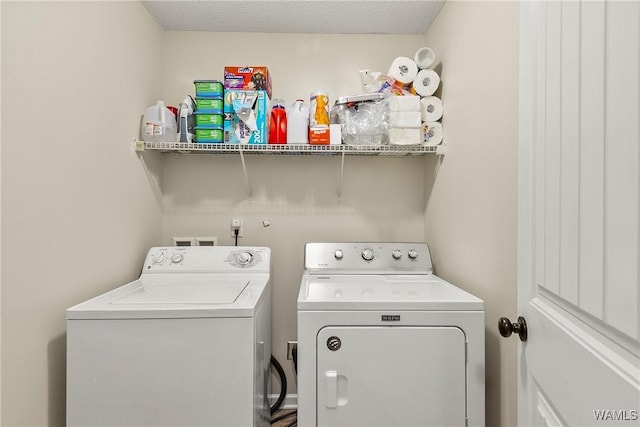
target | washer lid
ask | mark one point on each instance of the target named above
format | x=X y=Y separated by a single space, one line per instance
x=155 y=296
x=383 y=292
x=197 y=290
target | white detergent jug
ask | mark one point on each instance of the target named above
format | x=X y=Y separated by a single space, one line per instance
x=159 y=124
x=298 y=123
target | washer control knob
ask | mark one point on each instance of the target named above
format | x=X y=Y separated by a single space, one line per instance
x=413 y=254
x=338 y=254
x=159 y=259
x=367 y=254
x=396 y=254
x=176 y=258
x=244 y=258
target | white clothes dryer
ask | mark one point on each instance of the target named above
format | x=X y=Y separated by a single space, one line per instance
x=186 y=344
x=384 y=342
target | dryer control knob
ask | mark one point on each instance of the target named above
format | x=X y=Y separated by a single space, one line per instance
x=396 y=254
x=176 y=258
x=367 y=254
x=413 y=254
x=338 y=254
x=244 y=258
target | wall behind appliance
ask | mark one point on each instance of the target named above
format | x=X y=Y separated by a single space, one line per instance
x=78 y=213
x=383 y=198
x=471 y=198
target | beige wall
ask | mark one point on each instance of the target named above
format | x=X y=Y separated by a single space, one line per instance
x=383 y=198
x=78 y=213
x=470 y=215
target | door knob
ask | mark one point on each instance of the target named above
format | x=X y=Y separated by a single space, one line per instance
x=506 y=328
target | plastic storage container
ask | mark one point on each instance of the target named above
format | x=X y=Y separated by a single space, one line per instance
x=159 y=124
x=209 y=88
x=209 y=135
x=204 y=120
x=210 y=105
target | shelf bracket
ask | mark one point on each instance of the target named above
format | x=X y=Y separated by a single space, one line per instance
x=244 y=171
x=341 y=175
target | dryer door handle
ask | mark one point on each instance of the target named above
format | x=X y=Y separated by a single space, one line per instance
x=331 y=378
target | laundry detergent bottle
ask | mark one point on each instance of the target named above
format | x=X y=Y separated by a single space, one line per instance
x=278 y=123
x=298 y=120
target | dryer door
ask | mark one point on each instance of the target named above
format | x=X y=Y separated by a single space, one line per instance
x=391 y=376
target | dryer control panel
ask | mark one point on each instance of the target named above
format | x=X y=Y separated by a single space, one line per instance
x=368 y=258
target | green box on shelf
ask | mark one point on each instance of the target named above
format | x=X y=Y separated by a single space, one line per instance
x=208 y=88
x=209 y=120
x=208 y=135
x=209 y=105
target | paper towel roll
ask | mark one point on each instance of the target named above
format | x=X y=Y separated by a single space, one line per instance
x=426 y=82
x=431 y=133
x=424 y=57
x=405 y=119
x=405 y=136
x=431 y=109
x=404 y=70
x=404 y=103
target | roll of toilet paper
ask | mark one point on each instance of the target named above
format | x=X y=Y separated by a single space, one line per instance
x=431 y=133
x=431 y=109
x=403 y=69
x=426 y=82
x=424 y=57
x=405 y=119
x=405 y=136
x=404 y=103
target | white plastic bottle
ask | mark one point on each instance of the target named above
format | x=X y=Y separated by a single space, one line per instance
x=159 y=124
x=298 y=123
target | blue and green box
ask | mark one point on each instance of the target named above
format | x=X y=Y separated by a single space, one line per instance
x=246 y=116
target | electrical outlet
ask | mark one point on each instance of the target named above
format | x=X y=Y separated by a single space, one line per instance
x=236 y=224
x=290 y=346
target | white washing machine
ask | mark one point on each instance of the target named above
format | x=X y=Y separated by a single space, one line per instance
x=384 y=342
x=186 y=344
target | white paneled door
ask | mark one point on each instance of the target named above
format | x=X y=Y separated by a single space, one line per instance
x=579 y=227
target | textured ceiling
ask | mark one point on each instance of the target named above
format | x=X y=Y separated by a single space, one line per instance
x=296 y=16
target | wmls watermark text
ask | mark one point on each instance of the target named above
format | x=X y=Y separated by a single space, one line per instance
x=615 y=415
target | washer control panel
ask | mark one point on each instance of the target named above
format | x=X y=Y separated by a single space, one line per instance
x=206 y=259
x=368 y=257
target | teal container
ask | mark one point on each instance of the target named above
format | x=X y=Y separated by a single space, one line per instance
x=209 y=88
x=206 y=120
x=209 y=105
x=208 y=135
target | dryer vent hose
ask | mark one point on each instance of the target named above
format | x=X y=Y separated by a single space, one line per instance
x=283 y=384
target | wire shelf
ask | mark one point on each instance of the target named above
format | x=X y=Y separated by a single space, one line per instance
x=290 y=149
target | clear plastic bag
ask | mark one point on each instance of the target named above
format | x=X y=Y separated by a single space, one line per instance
x=363 y=123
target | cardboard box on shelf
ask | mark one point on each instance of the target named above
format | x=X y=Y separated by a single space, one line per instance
x=248 y=78
x=246 y=116
x=319 y=136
